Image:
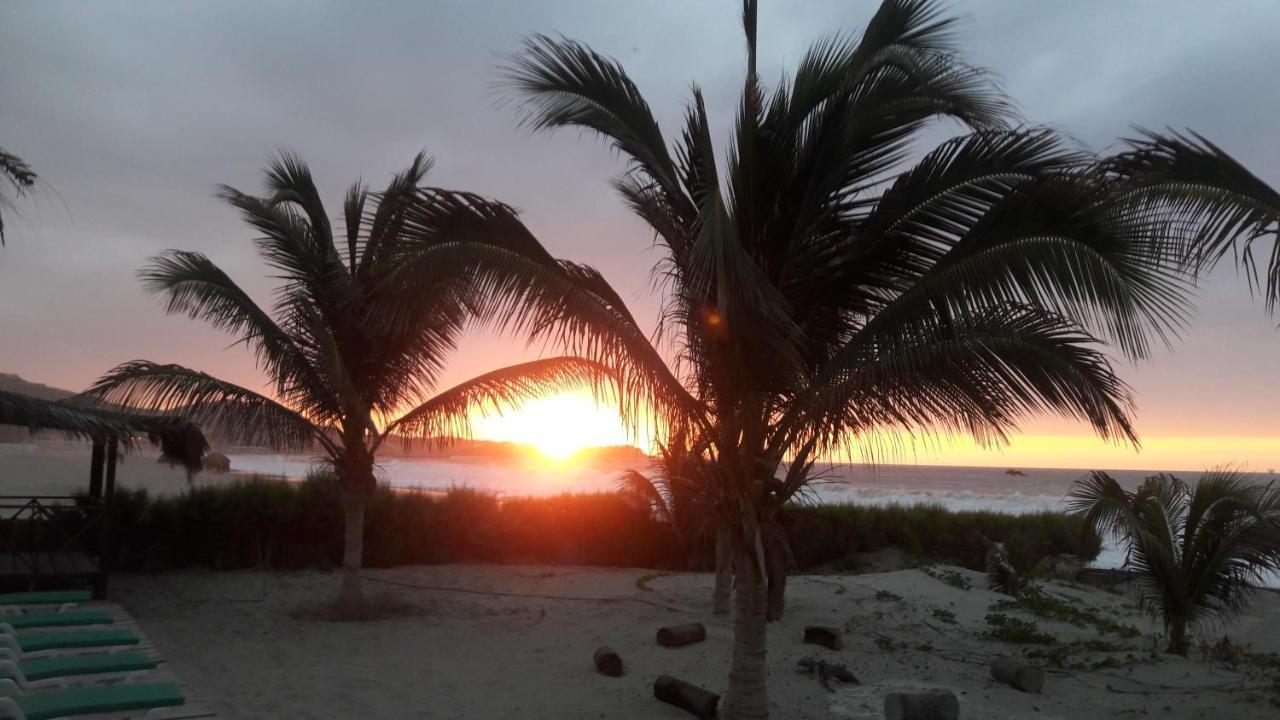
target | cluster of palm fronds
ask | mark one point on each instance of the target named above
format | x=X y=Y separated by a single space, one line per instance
x=19 y=176
x=681 y=491
x=1199 y=552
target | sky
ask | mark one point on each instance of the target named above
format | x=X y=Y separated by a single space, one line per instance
x=133 y=111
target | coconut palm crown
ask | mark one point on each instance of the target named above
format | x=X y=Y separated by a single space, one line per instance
x=1199 y=552
x=821 y=289
x=353 y=356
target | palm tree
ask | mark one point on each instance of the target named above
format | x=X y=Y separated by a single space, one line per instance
x=1199 y=552
x=353 y=356
x=681 y=489
x=1223 y=205
x=20 y=178
x=819 y=290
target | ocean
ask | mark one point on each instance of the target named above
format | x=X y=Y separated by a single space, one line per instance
x=956 y=488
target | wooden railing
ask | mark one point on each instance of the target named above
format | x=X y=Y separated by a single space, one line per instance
x=50 y=537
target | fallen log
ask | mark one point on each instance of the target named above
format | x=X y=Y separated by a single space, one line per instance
x=680 y=635
x=825 y=636
x=686 y=696
x=1018 y=674
x=928 y=705
x=608 y=662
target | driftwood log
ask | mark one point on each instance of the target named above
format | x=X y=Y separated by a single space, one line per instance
x=608 y=662
x=827 y=637
x=686 y=696
x=928 y=705
x=1018 y=674
x=681 y=635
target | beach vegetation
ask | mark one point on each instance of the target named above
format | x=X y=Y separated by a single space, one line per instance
x=1046 y=606
x=1007 y=628
x=265 y=522
x=948 y=576
x=1200 y=551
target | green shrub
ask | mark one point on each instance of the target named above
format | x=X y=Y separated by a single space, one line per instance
x=1016 y=630
x=1043 y=605
x=825 y=534
x=263 y=521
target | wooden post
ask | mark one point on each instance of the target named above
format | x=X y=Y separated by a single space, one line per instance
x=95 y=469
x=828 y=637
x=608 y=662
x=681 y=635
x=686 y=696
x=1016 y=673
x=106 y=546
x=928 y=705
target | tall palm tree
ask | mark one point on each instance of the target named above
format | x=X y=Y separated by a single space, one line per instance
x=1227 y=209
x=820 y=291
x=1200 y=552
x=353 y=356
x=20 y=178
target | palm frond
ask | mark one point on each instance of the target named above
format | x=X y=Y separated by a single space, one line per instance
x=226 y=411
x=562 y=83
x=20 y=177
x=448 y=414
x=1225 y=207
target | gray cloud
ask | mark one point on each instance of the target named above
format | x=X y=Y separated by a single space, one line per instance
x=133 y=111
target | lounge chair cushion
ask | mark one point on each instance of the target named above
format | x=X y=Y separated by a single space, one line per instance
x=58 y=619
x=104 y=699
x=56 y=597
x=76 y=639
x=67 y=665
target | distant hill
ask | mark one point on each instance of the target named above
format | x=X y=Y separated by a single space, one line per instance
x=14 y=384
x=499 y=450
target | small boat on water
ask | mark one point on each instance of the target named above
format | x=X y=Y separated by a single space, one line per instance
x=1015 y=472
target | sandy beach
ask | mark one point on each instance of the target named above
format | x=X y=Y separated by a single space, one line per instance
x=516 y=642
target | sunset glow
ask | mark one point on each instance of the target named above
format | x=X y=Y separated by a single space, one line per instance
x=557 y=426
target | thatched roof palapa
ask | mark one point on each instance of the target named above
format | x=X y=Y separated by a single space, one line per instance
x=179 y=439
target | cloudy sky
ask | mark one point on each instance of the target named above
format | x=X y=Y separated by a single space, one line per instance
x=132 y=111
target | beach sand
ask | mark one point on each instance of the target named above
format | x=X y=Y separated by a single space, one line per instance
x=234 y=638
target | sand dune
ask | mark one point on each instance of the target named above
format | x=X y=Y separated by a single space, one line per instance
x=528 y=654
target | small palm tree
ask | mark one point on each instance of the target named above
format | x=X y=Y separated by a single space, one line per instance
x=352 y=349
x=1200 y=552
x=20 y=178
x=682 y=490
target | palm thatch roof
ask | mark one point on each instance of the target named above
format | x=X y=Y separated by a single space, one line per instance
x=179 y=439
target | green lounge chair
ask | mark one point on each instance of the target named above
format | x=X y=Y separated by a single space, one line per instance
x=92 y=700
x=26 y=621
x=24 y=645
x=63 y=666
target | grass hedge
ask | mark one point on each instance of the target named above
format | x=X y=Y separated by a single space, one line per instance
x=266 y=522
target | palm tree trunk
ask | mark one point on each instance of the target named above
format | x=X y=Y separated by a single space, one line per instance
x=1178 y=642
x=748 y=696
x=351 y=595
x=777 y=560
x=720 y=595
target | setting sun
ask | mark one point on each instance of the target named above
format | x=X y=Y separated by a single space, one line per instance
x=557 y=427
